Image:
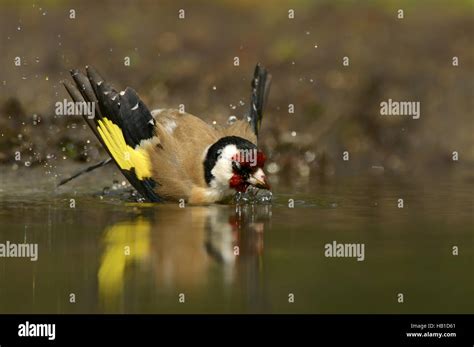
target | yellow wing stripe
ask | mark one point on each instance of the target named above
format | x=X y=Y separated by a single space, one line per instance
x=125 y=156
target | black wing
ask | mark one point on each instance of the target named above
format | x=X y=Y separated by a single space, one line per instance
x=124 y=109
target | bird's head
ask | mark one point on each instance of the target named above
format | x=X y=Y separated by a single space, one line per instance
x=247 y=170
x=236 y=163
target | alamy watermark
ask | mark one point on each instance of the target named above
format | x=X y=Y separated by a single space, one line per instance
x=19 y=250
x=400 y=108
x=248 y=156
x=28 y=329
x=345 y=250
x=72 y=108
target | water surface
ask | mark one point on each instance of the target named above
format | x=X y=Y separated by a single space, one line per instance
x=117 y=256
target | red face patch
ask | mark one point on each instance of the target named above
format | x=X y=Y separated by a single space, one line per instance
x=238 y=183
x=244 y=164
x=261 y=159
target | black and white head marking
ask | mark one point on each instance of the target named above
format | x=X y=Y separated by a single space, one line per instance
x=218 y=159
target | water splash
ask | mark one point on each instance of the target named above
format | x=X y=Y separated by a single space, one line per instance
x=254 y=196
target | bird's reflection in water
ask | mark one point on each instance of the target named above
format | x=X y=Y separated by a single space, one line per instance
x=178 y=246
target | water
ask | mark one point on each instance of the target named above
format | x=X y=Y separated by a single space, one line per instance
x=116 y=256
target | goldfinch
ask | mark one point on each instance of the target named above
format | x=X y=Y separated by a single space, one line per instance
x=168 y=155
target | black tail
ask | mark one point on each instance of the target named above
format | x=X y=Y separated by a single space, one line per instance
x=260 y=89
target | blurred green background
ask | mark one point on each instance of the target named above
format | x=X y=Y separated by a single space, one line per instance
x=191 y=62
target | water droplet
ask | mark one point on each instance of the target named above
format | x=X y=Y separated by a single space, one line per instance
x=309 y=156
x=273 y=168
x=115 y=185
x=231 y=120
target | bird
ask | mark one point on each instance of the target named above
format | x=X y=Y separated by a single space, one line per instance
x=170 y=155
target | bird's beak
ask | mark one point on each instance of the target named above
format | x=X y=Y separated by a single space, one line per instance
x=262 y=184
x=259 y=180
